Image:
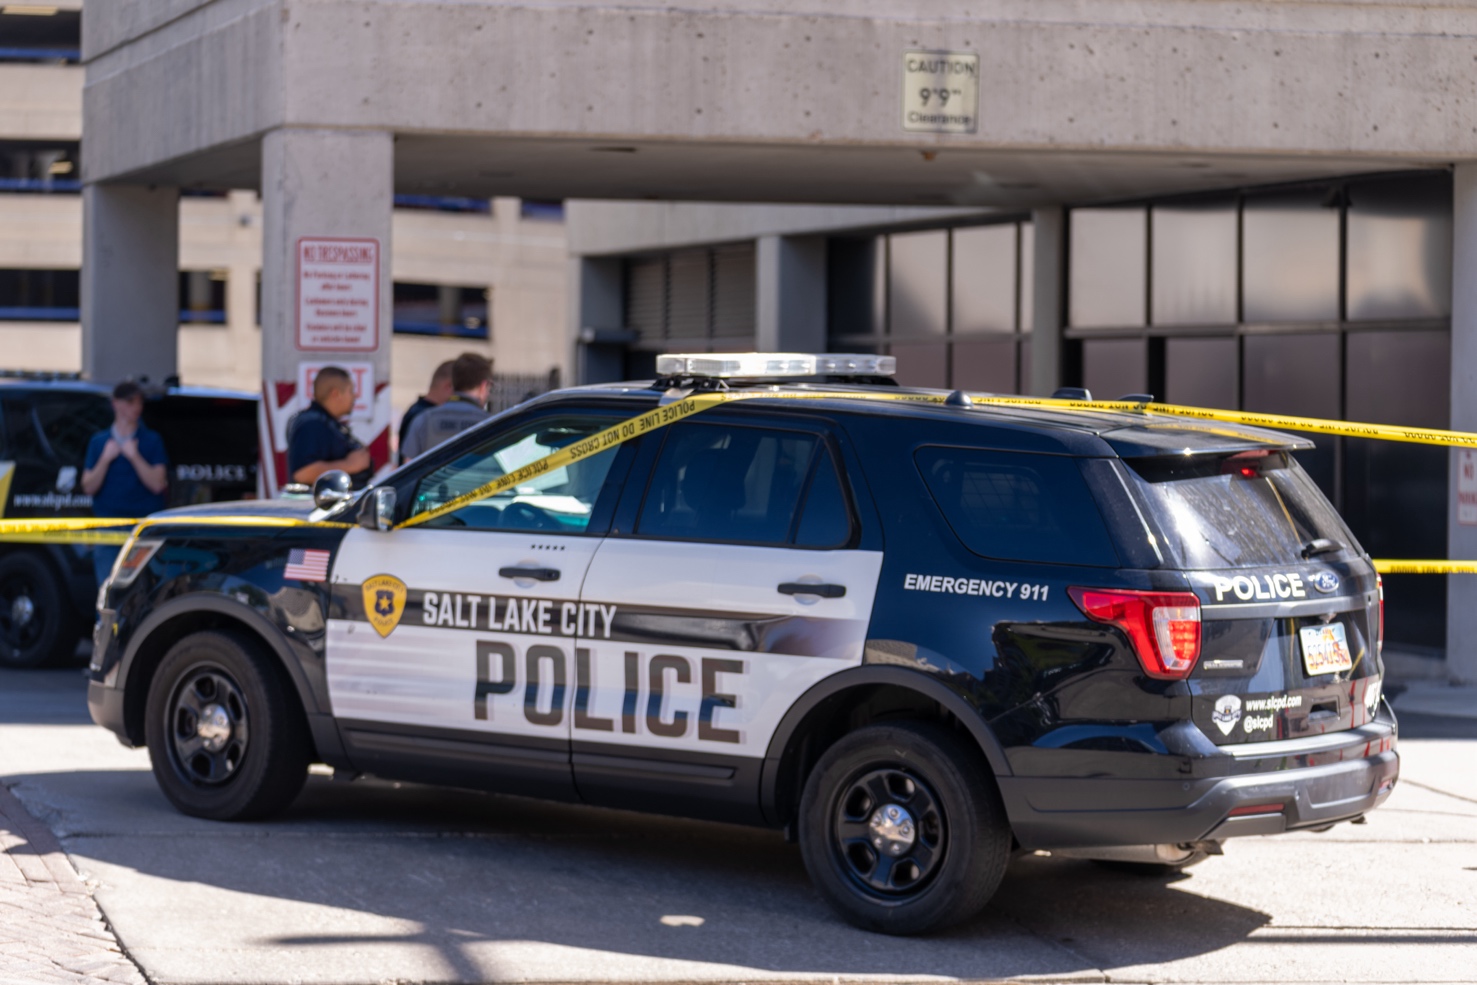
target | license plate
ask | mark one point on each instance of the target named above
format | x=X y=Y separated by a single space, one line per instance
x=1325 y=649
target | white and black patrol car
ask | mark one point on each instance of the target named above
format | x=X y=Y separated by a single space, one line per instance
x=916 y=635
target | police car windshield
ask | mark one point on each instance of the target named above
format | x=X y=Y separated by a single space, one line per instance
x=1228 y=511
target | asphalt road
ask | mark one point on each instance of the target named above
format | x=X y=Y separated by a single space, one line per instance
x=373 y=882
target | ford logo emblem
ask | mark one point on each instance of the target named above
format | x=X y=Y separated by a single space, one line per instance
x=1325 y=581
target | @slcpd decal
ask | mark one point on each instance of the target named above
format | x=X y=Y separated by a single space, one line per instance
x=384 y=602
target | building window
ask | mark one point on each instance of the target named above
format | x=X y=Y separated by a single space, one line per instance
x=39 y=166
x=1290 y=256
x=443 y=203
x=702 y=297
x=442 y=310
x=39 y=295
x=1399 y=248
x=202 y=297
x=541 y=210
x=39 y=33
x=1193 y=267
x=1106 y=268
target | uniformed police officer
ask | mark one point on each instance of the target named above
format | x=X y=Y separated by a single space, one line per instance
x=319 y=440
x=471 y=378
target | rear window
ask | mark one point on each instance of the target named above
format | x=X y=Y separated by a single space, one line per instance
x=1016 y=506
x=1232 y=510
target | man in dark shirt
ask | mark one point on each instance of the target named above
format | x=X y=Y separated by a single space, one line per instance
x=319 y=440
x=437 y=394
x=126 y=470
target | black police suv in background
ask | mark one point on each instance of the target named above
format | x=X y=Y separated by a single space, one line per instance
x=47 y=590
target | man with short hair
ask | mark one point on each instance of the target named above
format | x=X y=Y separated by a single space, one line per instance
x=126 y=470
x=319 y=439
x=437 y=394
x=471 y=378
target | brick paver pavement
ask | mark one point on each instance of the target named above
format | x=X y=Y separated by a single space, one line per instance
x=51 y=931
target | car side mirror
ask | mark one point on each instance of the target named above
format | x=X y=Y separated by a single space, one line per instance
x=377 y=511
x=332 y=488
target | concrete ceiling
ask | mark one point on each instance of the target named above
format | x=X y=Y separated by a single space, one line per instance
x=484 y=167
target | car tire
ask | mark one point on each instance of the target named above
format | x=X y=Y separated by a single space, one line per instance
x=36 y=626
x=931 y=802
x=226 y=736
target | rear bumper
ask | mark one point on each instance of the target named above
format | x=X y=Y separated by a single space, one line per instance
x=1355 y=772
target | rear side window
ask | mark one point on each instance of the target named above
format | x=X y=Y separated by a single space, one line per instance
x=1016 y=506
x=1230 y=510
x=744 y=485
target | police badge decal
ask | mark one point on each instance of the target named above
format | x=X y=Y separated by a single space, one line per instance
x=384 y=601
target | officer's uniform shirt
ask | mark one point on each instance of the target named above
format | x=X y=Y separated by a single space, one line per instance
x=315 y=435
x=436 y=425
x=411 y=413
x=123 y=493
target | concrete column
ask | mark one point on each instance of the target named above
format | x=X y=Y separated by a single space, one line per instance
x=790 y=294
x=1048 y=296
x=1461 y=539
x=596 y=318
x=335 y=185
x=130 y=282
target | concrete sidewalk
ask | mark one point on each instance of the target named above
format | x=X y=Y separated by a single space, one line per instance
x=50 y=929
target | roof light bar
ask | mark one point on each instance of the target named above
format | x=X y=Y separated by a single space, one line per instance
x=770 y=364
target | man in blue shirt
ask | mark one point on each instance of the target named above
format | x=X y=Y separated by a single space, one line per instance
x=318 y=439
x=126 y=470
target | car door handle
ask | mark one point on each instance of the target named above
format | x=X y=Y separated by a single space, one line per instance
x=537 y=574
x=805 y=588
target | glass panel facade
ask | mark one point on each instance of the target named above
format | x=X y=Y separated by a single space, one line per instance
x=918 y=283
x=1194 y=265
x=856 y=286
x=984 y=281
x=922 y=364
x=1114 y=367
x=1106 y=268
x=985 y=364
x=1290 y=257
x=1201 y=372
x=1390 y=381
x=1399 y=249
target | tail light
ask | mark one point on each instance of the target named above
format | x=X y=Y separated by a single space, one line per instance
x=1379 y=640
x=1164 y=627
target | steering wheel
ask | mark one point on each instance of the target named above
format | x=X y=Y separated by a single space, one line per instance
x=525 y=516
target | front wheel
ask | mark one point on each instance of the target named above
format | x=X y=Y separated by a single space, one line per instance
x=226 y=737
x=36 y=627
x=902 y=829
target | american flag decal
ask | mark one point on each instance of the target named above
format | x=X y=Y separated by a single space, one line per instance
x=306 y=565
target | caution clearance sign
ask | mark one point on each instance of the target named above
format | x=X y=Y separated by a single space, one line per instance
x=99 y=530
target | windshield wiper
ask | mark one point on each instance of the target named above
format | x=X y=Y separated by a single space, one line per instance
x=1321 y=545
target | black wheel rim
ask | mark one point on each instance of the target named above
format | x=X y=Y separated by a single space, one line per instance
x=208 y=726
x=21 y=622
x=889 y=833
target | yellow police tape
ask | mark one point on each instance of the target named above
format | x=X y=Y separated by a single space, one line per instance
x=98 y=530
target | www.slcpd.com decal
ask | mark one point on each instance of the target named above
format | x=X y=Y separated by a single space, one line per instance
x=384 y=601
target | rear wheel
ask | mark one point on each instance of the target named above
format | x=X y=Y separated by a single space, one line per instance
x=902 y=829
x=227 y=739
x=34 y=629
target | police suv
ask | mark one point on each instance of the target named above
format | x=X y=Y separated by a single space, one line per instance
x=917 y=632
x=47 y=590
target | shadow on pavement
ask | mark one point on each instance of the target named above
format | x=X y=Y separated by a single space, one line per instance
x=470 y=870
x=53 y=696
